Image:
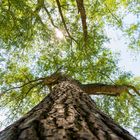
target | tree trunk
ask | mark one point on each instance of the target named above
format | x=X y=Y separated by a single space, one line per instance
x=66 y=113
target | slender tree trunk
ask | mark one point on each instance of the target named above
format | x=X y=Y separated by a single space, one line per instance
x=67 y=113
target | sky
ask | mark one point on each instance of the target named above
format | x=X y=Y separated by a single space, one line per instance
x=128 y=59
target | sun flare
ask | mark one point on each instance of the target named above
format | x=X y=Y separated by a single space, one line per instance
x=59 y=34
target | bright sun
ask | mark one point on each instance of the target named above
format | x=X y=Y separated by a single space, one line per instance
x=59 y=34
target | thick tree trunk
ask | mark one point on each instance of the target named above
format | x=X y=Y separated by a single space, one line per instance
x=66 y=113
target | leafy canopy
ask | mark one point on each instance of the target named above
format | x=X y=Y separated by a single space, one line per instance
x=37 y=37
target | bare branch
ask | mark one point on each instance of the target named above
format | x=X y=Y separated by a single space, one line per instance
x=81 y=10
x=63 y=20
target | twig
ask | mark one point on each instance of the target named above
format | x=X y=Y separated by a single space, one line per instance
x=30 y=89
x=24 y=96
x=9 y=5
x=133 y=88
x=111 y=13
x=26 y=76
x=107 y=77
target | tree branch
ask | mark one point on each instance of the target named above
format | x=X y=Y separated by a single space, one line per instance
x=91 y=89
x=63 y=20
x=81 y=10
x=12 y=88
x=49 y=15
x=112 y=90
x=49 y=81
x=25 y=94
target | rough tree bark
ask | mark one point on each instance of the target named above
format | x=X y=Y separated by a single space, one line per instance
x=66 y=113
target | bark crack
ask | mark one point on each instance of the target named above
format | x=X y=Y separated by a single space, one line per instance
x=38 y=127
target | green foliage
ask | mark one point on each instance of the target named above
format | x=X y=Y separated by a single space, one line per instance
x=30 y=48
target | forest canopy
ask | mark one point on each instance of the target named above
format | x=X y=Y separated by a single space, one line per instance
x=40 y=37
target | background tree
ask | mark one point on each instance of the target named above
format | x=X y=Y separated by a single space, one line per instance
x=39 y=37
